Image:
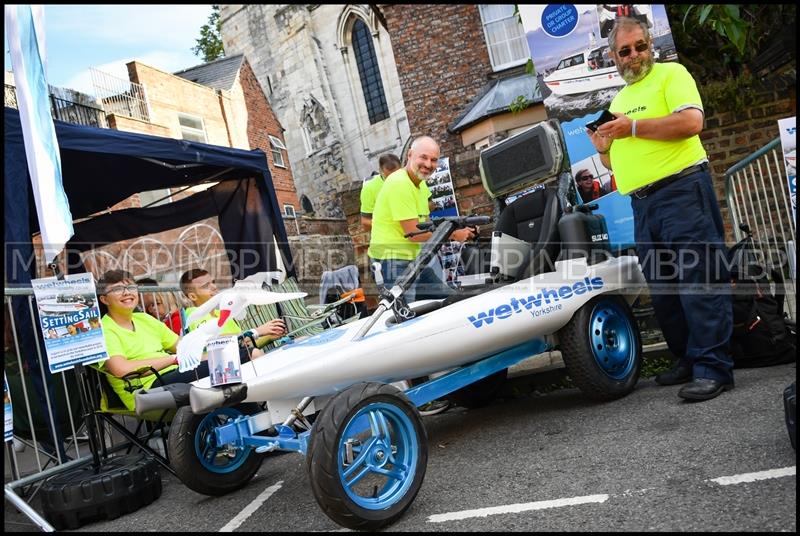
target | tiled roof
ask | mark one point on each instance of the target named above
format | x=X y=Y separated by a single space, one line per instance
x=219 y=74
x=495 y=97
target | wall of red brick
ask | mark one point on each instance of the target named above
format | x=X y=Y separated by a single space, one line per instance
x=730 y=137
x=261 y=123
x=442 y=62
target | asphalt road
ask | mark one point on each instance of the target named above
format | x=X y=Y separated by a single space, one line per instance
x=552 y=462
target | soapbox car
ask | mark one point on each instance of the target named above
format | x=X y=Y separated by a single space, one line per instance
x=334 y=397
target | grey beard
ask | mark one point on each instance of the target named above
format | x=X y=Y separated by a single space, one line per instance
x=632 y=77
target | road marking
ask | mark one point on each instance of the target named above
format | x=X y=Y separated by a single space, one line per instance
x=557 y=503
x=516 y=508
x=250 y=509
x=752 y=477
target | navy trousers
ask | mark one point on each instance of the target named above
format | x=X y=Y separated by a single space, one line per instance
x=681 y=247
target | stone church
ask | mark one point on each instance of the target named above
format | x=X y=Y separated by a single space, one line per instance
x=330 y=76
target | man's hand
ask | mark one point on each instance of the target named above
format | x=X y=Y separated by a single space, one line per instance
x=616 y=129
x=600 y=142
x=274 y=329
x=464 y=235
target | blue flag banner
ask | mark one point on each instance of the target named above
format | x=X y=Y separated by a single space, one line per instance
x=25 y=34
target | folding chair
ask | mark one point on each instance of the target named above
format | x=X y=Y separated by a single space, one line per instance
x=107 y=406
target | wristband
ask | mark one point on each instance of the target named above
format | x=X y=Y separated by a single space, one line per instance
x=633 y=128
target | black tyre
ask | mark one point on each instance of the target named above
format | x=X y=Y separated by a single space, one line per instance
x=202 y=464
x=481 y=392
x=367 y=456
x=602 y=348
x=122 y=485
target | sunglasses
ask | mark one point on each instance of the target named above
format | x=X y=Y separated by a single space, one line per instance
x=122 y=288
x=625 y=52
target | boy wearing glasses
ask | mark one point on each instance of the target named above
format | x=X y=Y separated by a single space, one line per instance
x=135 y=340
x=657 y=157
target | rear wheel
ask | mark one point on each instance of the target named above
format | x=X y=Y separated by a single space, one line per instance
x=203 y=465
x=602 y=349
x=367 y=456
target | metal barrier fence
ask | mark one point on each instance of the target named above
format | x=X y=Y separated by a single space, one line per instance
x=757 y=192
x=49 y=431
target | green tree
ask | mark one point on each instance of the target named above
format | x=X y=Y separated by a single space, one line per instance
x=718 y=41
x=722 y=44
x=209 y=46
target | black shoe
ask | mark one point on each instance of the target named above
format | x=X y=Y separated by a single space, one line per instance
x=674 y=376
x=704 y=389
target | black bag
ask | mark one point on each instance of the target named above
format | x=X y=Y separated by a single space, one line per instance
x=761 y=335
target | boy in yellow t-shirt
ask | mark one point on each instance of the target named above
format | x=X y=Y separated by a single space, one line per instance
x=198 y=286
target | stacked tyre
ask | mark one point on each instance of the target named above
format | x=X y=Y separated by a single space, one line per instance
x=121 y=485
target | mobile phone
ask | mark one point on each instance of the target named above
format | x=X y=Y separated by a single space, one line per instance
x=605 y=117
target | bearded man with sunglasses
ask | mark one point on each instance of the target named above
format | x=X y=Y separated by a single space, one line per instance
x=654 y=148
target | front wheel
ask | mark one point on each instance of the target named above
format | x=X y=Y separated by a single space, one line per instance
x=602 y=348
x=367 y=456
x=202 y=464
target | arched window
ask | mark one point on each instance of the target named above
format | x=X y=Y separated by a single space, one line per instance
x=305 y=202
x=369 y=73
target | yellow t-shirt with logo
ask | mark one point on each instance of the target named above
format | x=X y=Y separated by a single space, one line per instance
x=398 y=200
x=369 y=194
x=637 y=162
x=150 y=339
x=424 y=195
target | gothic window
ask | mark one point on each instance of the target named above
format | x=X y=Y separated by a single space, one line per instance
x=370 y=74
x=305 y=202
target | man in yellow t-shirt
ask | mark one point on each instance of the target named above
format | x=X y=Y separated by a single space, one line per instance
x=397 y=212
x=654 y=147
x=387 y=164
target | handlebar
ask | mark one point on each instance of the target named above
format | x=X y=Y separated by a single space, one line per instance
x=458 y=222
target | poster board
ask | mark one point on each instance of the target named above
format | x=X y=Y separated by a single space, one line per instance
x=788 y=130
x=69 y=317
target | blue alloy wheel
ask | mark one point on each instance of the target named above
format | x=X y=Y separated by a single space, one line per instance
x=202 y=464
x=367 y=456
x=613 y=342
x=213 y=457
x=602 y=348
x=378 y=452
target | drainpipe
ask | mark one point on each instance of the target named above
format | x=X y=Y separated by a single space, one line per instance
x=224 y=118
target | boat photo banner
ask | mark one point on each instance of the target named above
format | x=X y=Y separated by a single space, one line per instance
x=578 y=80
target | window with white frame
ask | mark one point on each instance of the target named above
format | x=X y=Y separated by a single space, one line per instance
x=276 y=147
x=505 y=36
x=288 y=210
x=192 y=128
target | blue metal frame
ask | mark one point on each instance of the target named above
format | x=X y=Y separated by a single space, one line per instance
x=241 y=434
x=455 y=380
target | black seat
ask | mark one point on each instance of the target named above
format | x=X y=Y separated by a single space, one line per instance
x=532 y=218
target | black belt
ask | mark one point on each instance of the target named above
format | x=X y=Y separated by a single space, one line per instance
x=651 y=188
